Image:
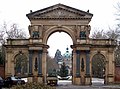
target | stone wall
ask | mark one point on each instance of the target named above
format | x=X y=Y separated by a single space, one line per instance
x=2 y=71
x=117 y=74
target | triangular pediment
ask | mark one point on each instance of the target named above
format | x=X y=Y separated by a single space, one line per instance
x=59 y=11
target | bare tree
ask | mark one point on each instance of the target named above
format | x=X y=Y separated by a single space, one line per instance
x=2 y=33
x=52 y=66
x=11 y=32
x=118 y=14
x=110 y=34
x=99 y=34
x=113 y=34
x=14 y=32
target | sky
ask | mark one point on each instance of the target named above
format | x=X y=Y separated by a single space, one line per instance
x=14 y=11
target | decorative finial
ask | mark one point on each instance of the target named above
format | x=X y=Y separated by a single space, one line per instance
x=88 y=11
x=30 y=11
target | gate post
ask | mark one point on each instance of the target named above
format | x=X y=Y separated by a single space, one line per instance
x=87 y=76
x=44 y=67
x=40 y=78
x=30 y=75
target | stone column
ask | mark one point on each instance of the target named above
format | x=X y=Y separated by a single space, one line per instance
x=44 y=67
x=40 y=63
x=87 y=62
x=30 y=61
x=30 y=77
x=110 y=76
x=87 y=77
x=73 y=65
x=78 y=63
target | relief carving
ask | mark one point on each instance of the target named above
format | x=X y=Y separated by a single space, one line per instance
x=60 y=13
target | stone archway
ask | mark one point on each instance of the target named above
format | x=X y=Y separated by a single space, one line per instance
x=53 y=29
x=75 y=23
x=21 y=65
x=98 y=66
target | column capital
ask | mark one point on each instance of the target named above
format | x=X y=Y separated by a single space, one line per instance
x=30 y=51
x=45 y=48
x=30 y=74
x=40 y=51
x=40 y=74
x=87 y=51
x=78 y=51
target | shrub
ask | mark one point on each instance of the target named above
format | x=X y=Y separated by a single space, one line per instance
x=33 y=85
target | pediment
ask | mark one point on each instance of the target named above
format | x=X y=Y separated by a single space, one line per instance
x=59 y=11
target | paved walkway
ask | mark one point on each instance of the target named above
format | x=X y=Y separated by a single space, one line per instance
x=88 y=87
x=97 y=84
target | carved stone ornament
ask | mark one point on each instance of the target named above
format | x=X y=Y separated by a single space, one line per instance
x=35 y=34
x=82 y=35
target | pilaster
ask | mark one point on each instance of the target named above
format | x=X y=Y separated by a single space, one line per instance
x=30 y=62
x=44 y=67
x=87 y=62
x=40 y=63
x=78 y=63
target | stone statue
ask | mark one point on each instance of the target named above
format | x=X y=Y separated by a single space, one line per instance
x=35 y=34
x=36 y=64
x=82 y=35
x=82 y=64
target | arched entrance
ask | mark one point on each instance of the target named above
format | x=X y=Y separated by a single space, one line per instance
x=21 y=65
x=61 y=18
x=58 y=29
x=98 y=67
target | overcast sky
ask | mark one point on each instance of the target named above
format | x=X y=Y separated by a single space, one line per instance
x=14 y=11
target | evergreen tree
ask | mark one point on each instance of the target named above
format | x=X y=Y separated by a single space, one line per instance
x=63 y=70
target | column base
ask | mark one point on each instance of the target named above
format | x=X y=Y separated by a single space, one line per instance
x=30 y=79
x=88 y=80
x=30 y=75
x=109 y=79
x=40 y=79
x=77 y=80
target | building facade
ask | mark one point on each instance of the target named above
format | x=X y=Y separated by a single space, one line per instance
x=67 y=59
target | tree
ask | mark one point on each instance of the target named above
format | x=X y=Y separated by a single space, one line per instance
x=98 y=34
x=117 y=55
x=52 y=66
x=118 y=14
x=98 y=65
x=63 y=70
x=12 y=31
x=1 y=59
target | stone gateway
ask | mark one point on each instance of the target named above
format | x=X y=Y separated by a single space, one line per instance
x=27 y=57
